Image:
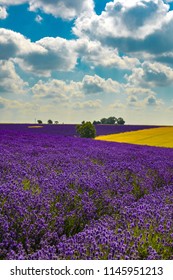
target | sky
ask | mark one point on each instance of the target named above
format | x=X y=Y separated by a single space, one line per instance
x=70 y=61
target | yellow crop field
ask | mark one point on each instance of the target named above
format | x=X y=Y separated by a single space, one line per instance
x=161 y=137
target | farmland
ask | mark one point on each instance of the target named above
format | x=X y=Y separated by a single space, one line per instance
x=160 y=137
x=63 y=197
x=70 y=129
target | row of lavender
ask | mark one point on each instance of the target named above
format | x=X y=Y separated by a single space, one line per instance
x=71 y=198
x=70 y=129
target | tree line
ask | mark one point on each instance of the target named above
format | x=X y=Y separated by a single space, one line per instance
x=110 y=120
x=49 y=122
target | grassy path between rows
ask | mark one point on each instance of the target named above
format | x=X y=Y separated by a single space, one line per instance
x=161 y=137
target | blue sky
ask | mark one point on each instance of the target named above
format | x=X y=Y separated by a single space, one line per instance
x=74 y=60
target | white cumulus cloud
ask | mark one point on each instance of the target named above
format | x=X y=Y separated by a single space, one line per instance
x=10 y=81
x=38 y=19
x=130 y=26
x=66 y=9
x=3 y=13
x=72 y=90
x=96 y=85
x=123 y=18
x=96 y=54
x=88 y=105
x=13 y=44
x=151 y=75
x=41 y=57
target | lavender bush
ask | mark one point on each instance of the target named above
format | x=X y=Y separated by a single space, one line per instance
x=72 y=198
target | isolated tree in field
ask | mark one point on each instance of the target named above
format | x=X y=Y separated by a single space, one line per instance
x=50 y=122
x=39 y=121
x=86 y=130
x=56 y=122
x=120 y=121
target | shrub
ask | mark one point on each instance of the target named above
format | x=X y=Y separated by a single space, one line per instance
x=86 y=130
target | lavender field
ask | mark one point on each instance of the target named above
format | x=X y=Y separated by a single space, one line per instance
x=70 y=129
x=63 y=197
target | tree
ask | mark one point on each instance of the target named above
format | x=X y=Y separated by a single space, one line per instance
x=50 y=122
x=96 y=122
x=39 y=121
x=111 y=120
x=56 y=122
x=86 y=130
x=120 y=121
x=103 y=121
